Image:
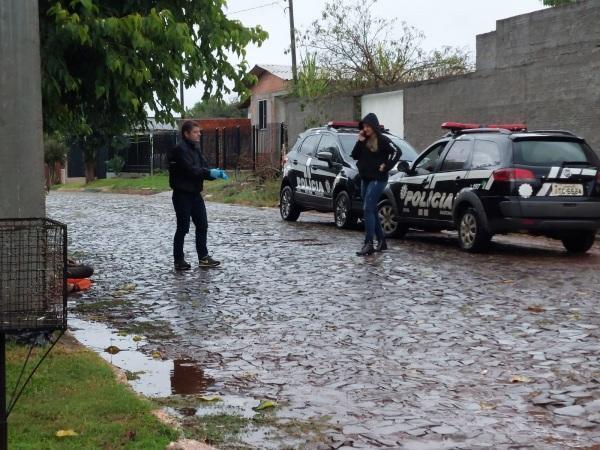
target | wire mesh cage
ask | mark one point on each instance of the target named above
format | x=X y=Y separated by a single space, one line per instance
x=33 y=290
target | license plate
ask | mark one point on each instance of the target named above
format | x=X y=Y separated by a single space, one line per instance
x=566 y=190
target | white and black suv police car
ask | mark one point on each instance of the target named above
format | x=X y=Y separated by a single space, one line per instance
x=319 y=174
x=496 y=179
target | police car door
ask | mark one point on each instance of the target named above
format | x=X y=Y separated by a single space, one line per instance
x=413 y=189
x=301 y=166
x=450 y=179
x=324 y=170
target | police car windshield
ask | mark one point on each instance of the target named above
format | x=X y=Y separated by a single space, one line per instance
x=408 y=153
x=548 y=153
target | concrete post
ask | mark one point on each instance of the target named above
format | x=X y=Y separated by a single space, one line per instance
x=21 y=142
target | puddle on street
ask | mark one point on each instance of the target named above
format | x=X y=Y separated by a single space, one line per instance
x=153 y=377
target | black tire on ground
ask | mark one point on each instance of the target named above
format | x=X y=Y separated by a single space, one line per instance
x=579 y=242
x=472 y=235
x=389 y=221
x=342 y=211
x=287 y=207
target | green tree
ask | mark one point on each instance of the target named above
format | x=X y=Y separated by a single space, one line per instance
x=216 y=108
x=107 y=63
x=557 y=2
x=55 y=151
x=358 y=49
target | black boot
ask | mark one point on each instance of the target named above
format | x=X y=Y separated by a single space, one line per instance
x=381 y=245
x=182 y=264
x=367 y=249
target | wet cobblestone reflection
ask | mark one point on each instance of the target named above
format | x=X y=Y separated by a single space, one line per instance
x=421 y=347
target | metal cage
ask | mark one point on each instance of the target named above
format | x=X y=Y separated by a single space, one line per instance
x=33 y=283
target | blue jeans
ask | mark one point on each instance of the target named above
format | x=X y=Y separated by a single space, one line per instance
x=371 y=193
x=188 y=206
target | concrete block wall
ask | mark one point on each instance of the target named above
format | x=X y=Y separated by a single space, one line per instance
x=541 y=68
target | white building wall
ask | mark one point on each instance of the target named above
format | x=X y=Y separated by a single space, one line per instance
x=389 y=108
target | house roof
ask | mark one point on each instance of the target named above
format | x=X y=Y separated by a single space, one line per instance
x=281 y=71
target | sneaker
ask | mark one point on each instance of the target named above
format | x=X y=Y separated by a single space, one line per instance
x=182 y=264
x=208 y=263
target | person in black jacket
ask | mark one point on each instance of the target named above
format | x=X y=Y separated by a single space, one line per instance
x=376 y=154
x=187 y=171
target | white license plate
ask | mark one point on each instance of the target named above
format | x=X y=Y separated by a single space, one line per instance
x=566 y=190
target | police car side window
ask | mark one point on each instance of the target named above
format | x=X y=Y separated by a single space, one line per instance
x=329 y=144
x=309 y=146
x=429 y=161
x=486 y=154
x=457 y=156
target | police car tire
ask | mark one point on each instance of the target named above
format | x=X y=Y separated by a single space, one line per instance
x=400 y=230
x=287 y=207
x=476 y=239
x=579 y=242
x=348 y=220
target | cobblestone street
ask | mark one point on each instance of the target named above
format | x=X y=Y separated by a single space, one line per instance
x=422 y=347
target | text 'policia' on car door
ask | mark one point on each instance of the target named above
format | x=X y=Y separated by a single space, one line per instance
x=324 y=169
x=300 y=170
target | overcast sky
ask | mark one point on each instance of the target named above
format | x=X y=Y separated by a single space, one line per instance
x=453 y=23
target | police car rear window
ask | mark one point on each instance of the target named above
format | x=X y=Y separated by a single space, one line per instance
x=548 y=153
x=408 y=153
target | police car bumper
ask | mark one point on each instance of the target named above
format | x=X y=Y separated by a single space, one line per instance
x=547 y=216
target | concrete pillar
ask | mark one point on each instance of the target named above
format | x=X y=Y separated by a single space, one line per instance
x=21 y=143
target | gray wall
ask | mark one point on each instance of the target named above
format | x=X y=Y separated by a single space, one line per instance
x=302 y=115
x=541 y=68
x=21 y=155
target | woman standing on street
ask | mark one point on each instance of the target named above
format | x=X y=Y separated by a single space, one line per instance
x=376 y=154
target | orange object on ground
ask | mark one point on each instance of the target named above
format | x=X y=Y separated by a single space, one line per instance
x=80 y=284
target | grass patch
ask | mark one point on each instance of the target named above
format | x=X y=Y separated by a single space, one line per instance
x=100 y=306
x=75 y=389
x=215 y=429
x=244 y=191
x=158 y=329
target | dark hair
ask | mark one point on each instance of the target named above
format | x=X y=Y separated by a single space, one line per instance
x=188 y=126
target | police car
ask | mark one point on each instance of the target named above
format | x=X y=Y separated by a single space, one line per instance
x=319 y=174
x=496 y=179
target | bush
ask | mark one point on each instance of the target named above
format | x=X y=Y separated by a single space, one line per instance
x=115 y=164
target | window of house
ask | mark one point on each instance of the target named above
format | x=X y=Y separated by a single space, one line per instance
x=262 y=114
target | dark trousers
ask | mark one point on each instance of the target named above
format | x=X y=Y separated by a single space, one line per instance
x=371 y=193
x=189 y=205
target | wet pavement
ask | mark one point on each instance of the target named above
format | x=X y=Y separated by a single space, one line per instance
x=422 y=347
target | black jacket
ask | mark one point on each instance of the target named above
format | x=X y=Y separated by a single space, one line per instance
x=187 y=168
x=368 y=162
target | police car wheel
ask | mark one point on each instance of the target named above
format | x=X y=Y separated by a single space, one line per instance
x=389 y=221
x=471 y=234
x=343 y=211
x=579 y=242
x=287 y=208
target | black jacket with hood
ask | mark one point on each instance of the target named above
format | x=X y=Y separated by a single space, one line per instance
x=187 y=168
x=368 y=162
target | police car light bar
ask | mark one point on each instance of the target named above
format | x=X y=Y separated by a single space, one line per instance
x=457 y=127
x=338 y=124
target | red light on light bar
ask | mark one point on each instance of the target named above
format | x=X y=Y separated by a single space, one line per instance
x=458 y=126
x=337 y=124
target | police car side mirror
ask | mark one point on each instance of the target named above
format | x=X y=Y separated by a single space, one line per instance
x=403 y=166
x=325 y=156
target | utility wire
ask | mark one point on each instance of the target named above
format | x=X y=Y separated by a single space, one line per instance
x=252 y=9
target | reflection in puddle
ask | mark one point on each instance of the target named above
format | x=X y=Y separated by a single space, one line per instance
x=155 y=377
x=188 y=378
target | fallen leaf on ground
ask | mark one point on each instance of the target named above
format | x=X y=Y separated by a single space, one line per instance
x=113 y=349
x=65 y=433
x=122 y=333
x=536 y=309
x=156 y=355
x=137 y=339
x=210 y=398
x=484 y=405
x=265 y=404
x=520 y=379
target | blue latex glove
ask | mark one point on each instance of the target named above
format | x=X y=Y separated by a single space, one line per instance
x=224 y=175
x=215 y=173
